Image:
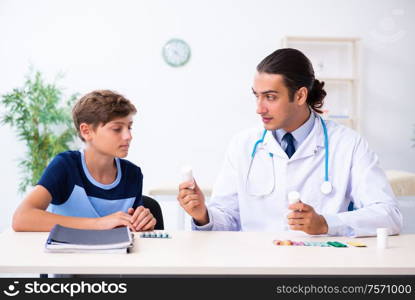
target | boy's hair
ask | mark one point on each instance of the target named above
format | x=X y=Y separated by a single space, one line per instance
x=100 y=107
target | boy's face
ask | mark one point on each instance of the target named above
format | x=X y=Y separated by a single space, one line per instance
x=112 y=139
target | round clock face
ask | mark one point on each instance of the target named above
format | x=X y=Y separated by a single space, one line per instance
x=176 y=52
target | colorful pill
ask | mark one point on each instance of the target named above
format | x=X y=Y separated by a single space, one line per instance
x=286 y=243
x=356 y=244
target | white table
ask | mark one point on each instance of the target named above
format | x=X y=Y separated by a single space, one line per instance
x=213 y=253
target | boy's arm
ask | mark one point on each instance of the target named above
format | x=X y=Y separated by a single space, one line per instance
x=31 y=215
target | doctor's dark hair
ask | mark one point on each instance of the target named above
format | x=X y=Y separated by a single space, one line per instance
x=297 y=72
x=100 y=107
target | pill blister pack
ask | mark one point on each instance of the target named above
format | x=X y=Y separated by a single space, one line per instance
x=155 y=235
x=307 y=243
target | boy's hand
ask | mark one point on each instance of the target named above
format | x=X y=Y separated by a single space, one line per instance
x=142 y=219
x=193 y=202
x=304 y=218
x=111 y=221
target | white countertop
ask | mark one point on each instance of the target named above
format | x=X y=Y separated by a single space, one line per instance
x=213 y=253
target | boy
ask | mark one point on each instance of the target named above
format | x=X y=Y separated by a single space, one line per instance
x=93 y=188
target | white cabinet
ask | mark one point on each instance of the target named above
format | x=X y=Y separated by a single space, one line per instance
x=336 y=62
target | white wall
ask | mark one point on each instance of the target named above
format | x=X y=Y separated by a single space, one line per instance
x=187 y=115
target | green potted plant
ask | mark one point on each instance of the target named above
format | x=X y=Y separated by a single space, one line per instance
x=42 y=120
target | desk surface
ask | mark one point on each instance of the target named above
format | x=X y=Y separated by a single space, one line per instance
x=212 y=253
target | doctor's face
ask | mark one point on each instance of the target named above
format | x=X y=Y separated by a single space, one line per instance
x=273 y=102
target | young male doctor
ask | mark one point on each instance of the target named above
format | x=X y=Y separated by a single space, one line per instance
x=329 y=165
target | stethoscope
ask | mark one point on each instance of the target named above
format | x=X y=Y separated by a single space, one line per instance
x=326 y=187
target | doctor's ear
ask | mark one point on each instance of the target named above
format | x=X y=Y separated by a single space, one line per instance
x=300 y=96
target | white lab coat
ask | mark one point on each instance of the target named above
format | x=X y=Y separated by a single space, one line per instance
x=353 y=171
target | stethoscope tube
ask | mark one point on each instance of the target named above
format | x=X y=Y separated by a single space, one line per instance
x=326 y=151
x=261 y=140
x=326 y=186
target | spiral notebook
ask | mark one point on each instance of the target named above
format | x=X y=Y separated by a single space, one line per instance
x=63 y=239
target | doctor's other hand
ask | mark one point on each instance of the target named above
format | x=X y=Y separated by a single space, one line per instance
x=142 y=219
x=193 y=202
x=304 y=218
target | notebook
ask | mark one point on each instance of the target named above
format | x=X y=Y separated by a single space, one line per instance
x=63 y=239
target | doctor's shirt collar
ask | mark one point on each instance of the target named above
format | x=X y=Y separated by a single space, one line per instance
x=300 y=134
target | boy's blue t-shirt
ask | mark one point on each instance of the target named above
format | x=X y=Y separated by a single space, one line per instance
x=76 y=193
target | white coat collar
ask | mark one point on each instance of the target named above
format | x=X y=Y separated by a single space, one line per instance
x=309 y=147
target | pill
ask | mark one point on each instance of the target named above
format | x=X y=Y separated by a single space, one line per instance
x=286 y=243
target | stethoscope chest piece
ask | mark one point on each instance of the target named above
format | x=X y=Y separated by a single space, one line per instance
x=326 y=187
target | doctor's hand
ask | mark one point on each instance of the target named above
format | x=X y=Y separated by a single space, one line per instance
x=304 y=218
x=141 y=219
x=193 y=202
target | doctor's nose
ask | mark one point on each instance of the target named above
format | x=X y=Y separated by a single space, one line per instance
x=260 y=108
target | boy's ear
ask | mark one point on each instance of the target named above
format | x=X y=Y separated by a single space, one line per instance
x=86 y=131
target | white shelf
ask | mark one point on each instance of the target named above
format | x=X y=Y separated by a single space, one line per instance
x=335 y=61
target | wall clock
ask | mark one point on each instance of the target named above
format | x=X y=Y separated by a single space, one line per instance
x=176 y=52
